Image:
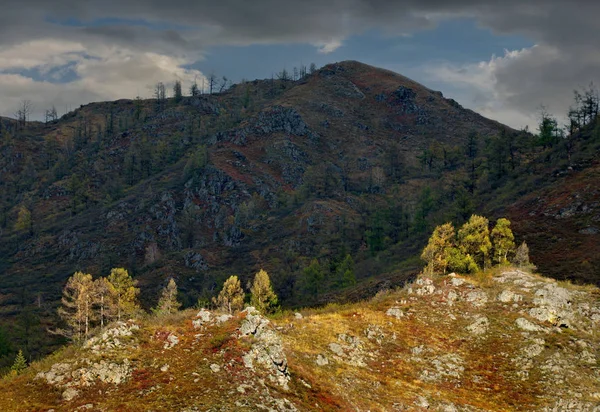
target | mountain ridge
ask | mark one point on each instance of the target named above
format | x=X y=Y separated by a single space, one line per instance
x=350 y=160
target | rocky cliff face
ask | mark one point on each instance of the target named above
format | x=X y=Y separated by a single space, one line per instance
x=511 y=341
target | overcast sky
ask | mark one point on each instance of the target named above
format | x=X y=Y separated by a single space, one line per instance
x=502 y=59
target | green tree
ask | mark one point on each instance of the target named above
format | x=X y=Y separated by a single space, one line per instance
x=313 y=277
x=20 y=363
x=262 y=296
x=231 y=297
x=177 y=94
x=125 y=292
x=168 y=303
x=474 y=240
x=345 y=272
x=503 y=241
x=438 y=252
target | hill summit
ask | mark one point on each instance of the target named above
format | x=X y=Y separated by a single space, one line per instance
x=507 y=341
x=330 y=182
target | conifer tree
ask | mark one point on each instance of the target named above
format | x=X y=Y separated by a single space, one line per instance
x=438 y=249
x=345 y=272
x=474 y=240
x=20 y=363
x=231 y=297
x=263 y=298
x=522 y=256
x=168 y=302
x=503 y=241
x=125 y=292
x=76 y=309
x=313 y=277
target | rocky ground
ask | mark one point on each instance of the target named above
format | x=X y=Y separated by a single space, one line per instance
x=509 y=340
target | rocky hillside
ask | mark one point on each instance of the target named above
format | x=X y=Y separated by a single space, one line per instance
x=504 y=341
x=351 y=161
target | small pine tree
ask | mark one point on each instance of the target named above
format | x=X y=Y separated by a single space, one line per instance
x=168 y=302
x=313 y=277
x=177 y=93
x=503 y=241
x=20 y=363
x=231 y=297
x=345 y=272
x=263 y=298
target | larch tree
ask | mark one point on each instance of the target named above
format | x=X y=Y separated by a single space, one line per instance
x=437 y=251
x=24 y=221
x=104 y=295
x=522 y=256
x=231 y=297
x=262 y=296
x=125 y=292
x=77 y=302
x=168 y=303
x=474 y=240
x=503 y=241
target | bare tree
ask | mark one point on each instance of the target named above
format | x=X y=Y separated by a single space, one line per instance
x=51 y=115
x=212 y=81
x=283 y=75
x=224 y=83
x=23 y=112
x=313 y=68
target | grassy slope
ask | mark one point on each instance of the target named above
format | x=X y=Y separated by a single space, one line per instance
x=427 y=355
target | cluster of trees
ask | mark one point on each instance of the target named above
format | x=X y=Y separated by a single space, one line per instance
x=88 y=303
x=232 y=296
x=473 y=247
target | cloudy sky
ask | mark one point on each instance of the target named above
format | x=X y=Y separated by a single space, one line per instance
x=502 y=59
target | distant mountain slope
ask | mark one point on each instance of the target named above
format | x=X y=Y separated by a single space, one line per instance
x=289 y=176
x=514 y=341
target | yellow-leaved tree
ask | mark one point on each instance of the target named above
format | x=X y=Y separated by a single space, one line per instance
x=231 y=297
x=168 y=303
x=437 y=253
x=503 y=240
x=125 y=293
x=262 y=296
x=77 y=302
x=474 y=241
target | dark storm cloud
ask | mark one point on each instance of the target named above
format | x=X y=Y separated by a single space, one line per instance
x=567 y=52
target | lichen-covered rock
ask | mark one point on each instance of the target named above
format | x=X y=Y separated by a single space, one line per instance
x=202 y=318
x=267 y=347
x=527 y=326
x=480 y=326
x=395 y=312
x=112 y=338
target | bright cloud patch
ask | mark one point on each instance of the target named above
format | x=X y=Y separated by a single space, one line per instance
x=74 y=74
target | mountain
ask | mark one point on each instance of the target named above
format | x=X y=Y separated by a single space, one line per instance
x=290 y=176
x=507 y=341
